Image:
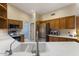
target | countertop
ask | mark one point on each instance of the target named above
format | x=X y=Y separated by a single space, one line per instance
x=62 y=36
x=52 y=49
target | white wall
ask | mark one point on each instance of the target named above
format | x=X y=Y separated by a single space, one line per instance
x=15 y=13
x=62 y=12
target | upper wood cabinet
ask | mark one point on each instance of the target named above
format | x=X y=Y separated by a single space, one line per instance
x=3 y=10
x=18 y=23
x=70 y=22
x=77 y=26
x=51 y=24
x=67 y=22
x=62 y=23
x=77 y=22
x=54 y=24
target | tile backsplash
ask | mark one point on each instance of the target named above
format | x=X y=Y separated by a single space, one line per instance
x=65 y=31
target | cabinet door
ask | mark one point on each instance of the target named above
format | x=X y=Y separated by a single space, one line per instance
x=62 y=23
x=22 y=38
x=53 y=39
x=77 y=25
x=56 y=23
x=50 y=39
x=20 y=25
x=62 y=39
x=70 y=22
x=52 y=24
x=77 y=22
x=3 y=23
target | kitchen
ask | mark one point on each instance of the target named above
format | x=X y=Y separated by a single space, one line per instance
x=60 y=25
x=61 y=29
x=57 y=30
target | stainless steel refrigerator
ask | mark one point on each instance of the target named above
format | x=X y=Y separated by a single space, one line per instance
x=44 y=31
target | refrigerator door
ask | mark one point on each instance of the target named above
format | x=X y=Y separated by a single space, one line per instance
x=47 y=31
x=43 y=30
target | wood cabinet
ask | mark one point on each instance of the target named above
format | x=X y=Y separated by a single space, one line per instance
x=18 y=23
x=77 y=22
x=3 y=10
x=66 y=39
x=54 y=24
x=60 y=39
x=3 y=16
x=3 y=23
x=57 y=39
x=62 y=24
x=67 y=22
x=22 y=38
x=51 y=24
x=77 y=27
x=70 y=22
x=53 y=39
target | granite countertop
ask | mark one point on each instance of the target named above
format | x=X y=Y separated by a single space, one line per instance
x=62 y=36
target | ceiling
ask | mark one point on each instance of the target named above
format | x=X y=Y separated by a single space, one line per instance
x=40 y=8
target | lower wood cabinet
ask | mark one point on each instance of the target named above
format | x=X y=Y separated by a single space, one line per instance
x=53 y=39
x=22 y=38
x=58 y=39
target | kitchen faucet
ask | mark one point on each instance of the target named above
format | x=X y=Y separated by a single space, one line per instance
x=37 y=46
x=9 y=52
